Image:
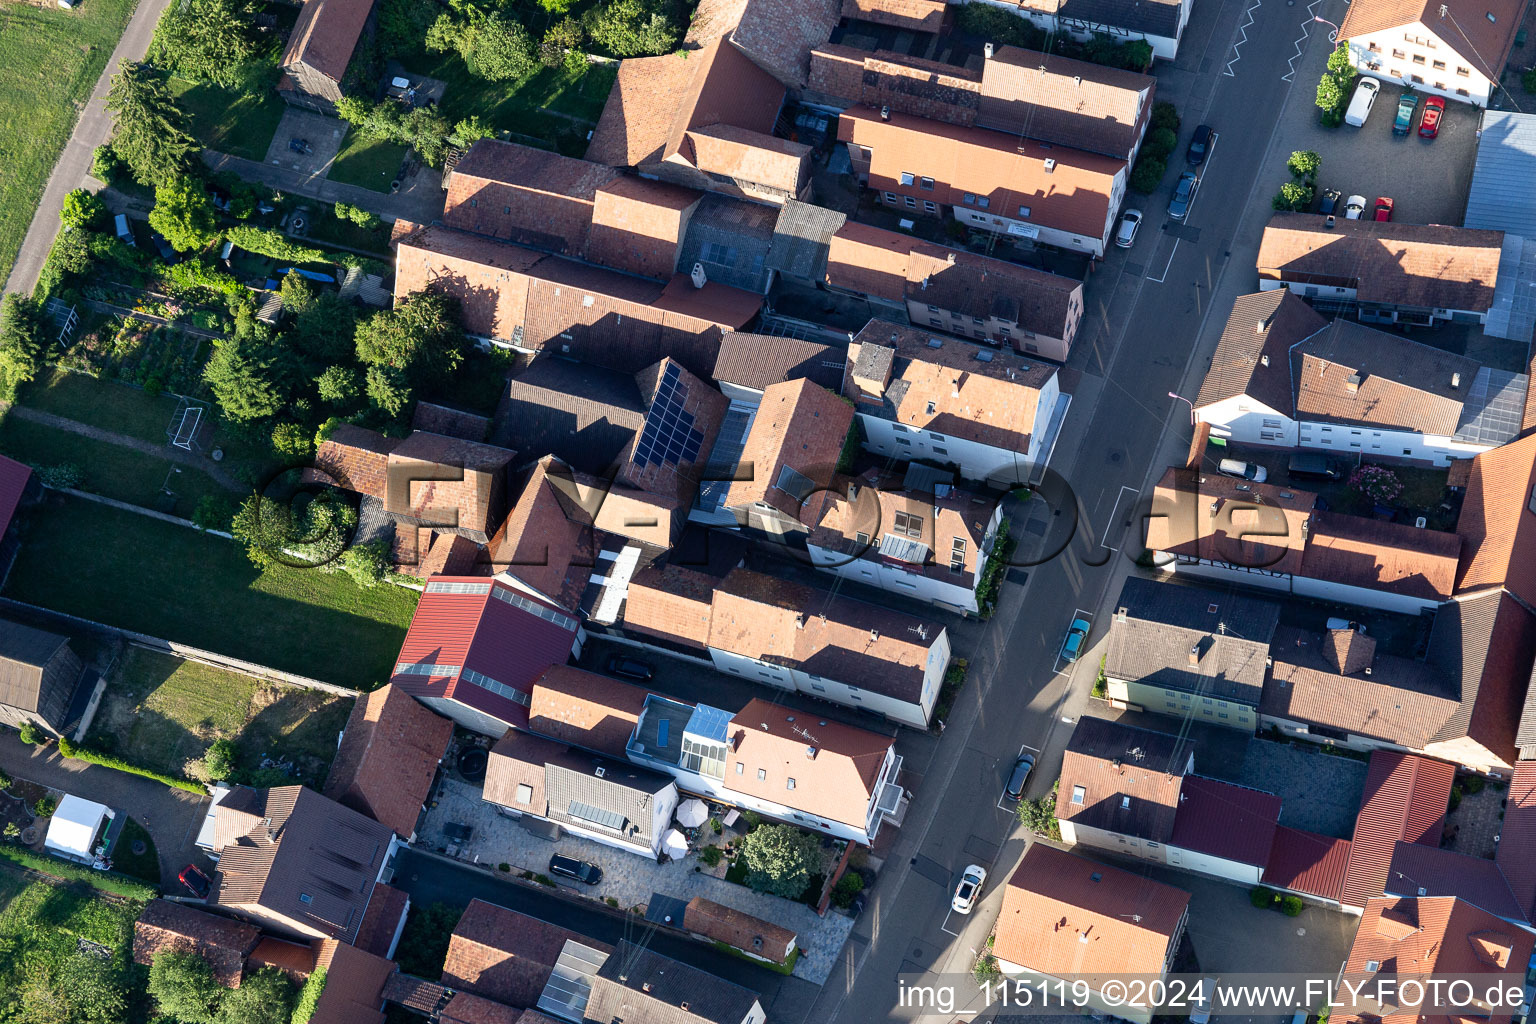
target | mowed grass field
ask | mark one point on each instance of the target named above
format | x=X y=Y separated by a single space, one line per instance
x=49 y=61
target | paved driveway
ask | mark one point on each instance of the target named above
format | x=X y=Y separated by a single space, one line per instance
x=172 y=816
x=324 y=135
x=1427 y=179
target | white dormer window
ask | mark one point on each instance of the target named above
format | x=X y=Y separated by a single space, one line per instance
x=1078 y=795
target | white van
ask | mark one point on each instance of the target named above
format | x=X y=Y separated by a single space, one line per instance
x=1364 y=100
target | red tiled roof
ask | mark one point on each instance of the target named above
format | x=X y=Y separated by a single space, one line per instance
x=546 y=541
x=506 y=956
x=354 y=459
x=354 y=985
x=14 y=477
x=1517 y=837
x=1484 y=31
x=1419 y=869
x=585 y=709
x=1226 y=821
x=777 y=34
x=223 y=942
x=1307 y=862
x=1066 y=916
x=448 y=483
x=385 y=911
x=799 y=426
x=482 y=633
x=325 y=35
x=525 y=195
x=638 y=225
x=1497 y=528
x=464 y=1008
x=1404 y=801
x=914 y=15
x=295 y=959
x=388 y=758
x=1391 y=557
x=672 y=602
x=736 y=928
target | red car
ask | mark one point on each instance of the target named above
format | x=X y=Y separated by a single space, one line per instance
x=1429 y=123
x=195 y=880
x=1383 y=208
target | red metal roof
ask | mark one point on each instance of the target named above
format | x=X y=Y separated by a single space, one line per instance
x=1307 y=862
x=1222 y=820
x=1404 y=801
x=1517 y=837
x=476 y=625
x=14 y=477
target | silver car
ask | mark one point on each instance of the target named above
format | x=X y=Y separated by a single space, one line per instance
x=1130 y=223
x=1183 y=195
x=1354 y=206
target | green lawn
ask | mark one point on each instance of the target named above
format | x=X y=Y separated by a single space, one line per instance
x=326 y=227
x=110 y=470
x=238 y=123
x=160 y=712
x=100 y=403
x=369 y=163
x=173 y=582
x=144 y=865
x=49 y=61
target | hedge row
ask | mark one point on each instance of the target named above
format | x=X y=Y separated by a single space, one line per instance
x=106 y=881
x=309 y=997
x=78 y=753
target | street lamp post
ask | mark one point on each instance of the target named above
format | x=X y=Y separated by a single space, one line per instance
x=1173 y=394
x=1333 y=36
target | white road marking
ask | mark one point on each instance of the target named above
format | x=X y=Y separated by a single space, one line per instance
x=1306 y=31
x=1004 y=796
x=1243 y=31
x=945 y=926
x=1087 y=617
x=1114 y=519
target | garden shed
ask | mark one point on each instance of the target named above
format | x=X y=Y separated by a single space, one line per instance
x=75 y=825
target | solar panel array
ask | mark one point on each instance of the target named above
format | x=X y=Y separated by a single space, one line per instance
x=1494 y=408
x=669 y=436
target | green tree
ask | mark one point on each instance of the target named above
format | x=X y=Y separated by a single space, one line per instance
x=1165 y=115
x=220 y=760
x=426 y=131
x=213 y=512
x=564 y=35
x=338 y=385
x=21 y=343
x=265 y=997
x=779 y=859
x=244 y=380
x=1341 y=65
x=1304 y=164
x=421 y=337
x=292 y=442
x=183 y=213
x=30 y=734
x=1147 y=174
x=105 y=166
x=1330 y=96
x=265 y=242
x=556 y=6
x=183 y=986
x=502 y=51
x=388 y=389
x=1160 y=142
x=71 y=253
x=447 y=35
x=367 y=563
x=626 y=28
x=471 y=130
x=1293 y=196
x=151 y=135
x=206 y=40
x=82 y=209
x=1039 y=816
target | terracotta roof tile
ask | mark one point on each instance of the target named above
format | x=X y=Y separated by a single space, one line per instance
x=1387 y=262
x=724 y=149
x=1066 y=916
x=1064 y=101
x=869 y=261
x=464 y=1008
x=1517 y=837
x=386 y=911
x=913 y=15
x=295 y=959
x=1222 y=820
x=1219 y=518
x=500 y=954
x=949 y=525
x=1497 y=526
x=1253 y=356
x=1404 y=801
x=525 y=195
x=223 y=942
x=1419 y=869
x=740 y=930
x=388 y=757
x=1130 y=779
x=911 y=85
x=945 y=388
x=778 y=35
x=799 y=428
x=14 y=478
x=440 y=419
x=356 y=459
x=638 y=225
x=448 y=483
x=671 y=602
x=542 y=543
x=1441 y=936
x=585 y=709
x=1073 y=196
x=784 y=623
x=325 y=35
x=838 y=783
x=1390 y=557
x=354 y=985
x=1307 y=862
x=758 y=361
x=1483 y=32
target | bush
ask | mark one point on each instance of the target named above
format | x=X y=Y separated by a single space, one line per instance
x=275 y=244
x=106 y=881
x=543 y=879
x=1455 y=801
x=291 y=442
x=563 y=37
x=779 y=859
x=1147 y=174
x=1165 y=115
x=82 y=210
x=847 y=889
x=1039 y=816
x=1292 y=196
x=710 y=855
x=1160 y=142
x=716 y=826
x=1377 y=483
x=105 y=166
x=1291 y=906
x=213 y=512
x=1262 y=898
x=611 y=902
x=986 y=967
x=999 y=26
x=44 y=806
x=221 y=760
x=5 y=780
x=78 y=753
x=367 y=564
x=1469 y=785
x=309 y=997
x=63 y=477
x=31 y=734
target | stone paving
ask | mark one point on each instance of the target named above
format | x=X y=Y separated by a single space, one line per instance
x=1474 y=825
x=628 y=878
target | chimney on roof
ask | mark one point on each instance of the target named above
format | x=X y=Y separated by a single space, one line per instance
x=1455 y=380
x=1263 y=360
x=645 y=986
x=800 y=620
x=699 y=280
x=1194 y=656
x=949 y=258
x=1077 y=80
x=988 y=50
x=1050 y=164
x=885 y=113
x=810 y=753
x=1352 y=382
x=874 y=634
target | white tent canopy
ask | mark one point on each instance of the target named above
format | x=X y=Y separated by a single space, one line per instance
x=675 y=844
x=692 y=813
x=74 y=826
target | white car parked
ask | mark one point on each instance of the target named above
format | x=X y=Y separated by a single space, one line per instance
x=969 y=889
x=1354 y=207
x=1130 y=221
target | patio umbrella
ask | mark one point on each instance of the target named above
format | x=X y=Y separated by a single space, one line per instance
x=692 y=813
x=675 y=844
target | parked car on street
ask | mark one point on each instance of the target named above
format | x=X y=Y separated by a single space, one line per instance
x=969 y=889
x=1383 y=208
x=196 y=882
x=1361 y=103
x=629 y=668
x=1243 y=470
x=1130 y=223
x=1077 y=634
x=1199 y=146
x=1407 y=103
x=1019 y=777
x=1429 y=124
x=580 y=870
x=1330 y=204
x=1354 y=206
x=1183 y=195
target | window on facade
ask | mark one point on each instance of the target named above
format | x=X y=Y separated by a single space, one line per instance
x=1418 y=58
x=929 y=206
x=957 y=555
x=903 y=440
x=789 y=783
x=940 y=451
x=1272 y=424
x=909 y=525
x=1417 y=79
x=1464 y=72
x=762 y=774
x=907 y=177
x=934 y=321
x=1024 y=211
x=1462 y=92
x=1078 y=793
x=911 y=203
x=1438 y=65
x=740 y=768
x=1375 y=47
x=1399 y=54
x=1004 y=331
x=890 y=197
x=926 y=184
x=861 y=537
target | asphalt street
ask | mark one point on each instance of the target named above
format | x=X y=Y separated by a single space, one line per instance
x=1156 y=312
